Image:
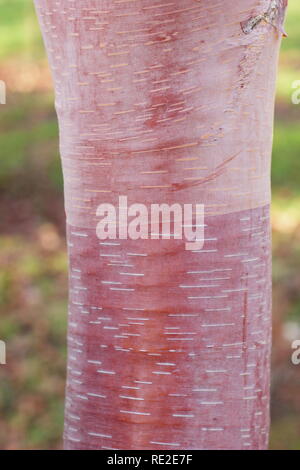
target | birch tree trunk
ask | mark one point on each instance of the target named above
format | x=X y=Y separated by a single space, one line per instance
x=167 y=102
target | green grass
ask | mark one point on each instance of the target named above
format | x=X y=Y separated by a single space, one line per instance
x=286 y=157
x=19 y=33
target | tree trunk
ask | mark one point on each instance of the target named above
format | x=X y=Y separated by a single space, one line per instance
x=167 y=102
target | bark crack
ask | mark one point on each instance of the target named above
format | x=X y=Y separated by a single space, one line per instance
x=274 y=16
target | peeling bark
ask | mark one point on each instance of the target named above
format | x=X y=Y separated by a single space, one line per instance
x=167 y=102
x=274 y=16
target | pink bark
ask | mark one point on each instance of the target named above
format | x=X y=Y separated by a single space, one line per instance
x=167 y=102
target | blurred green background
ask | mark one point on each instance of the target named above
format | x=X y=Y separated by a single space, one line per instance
x=33 y=275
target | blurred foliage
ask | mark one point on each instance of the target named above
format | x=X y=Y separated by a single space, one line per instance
x=33 y=277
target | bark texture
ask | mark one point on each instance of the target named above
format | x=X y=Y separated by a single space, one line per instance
x=167 y=101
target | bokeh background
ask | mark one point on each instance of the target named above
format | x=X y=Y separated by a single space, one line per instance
x=33 y=263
